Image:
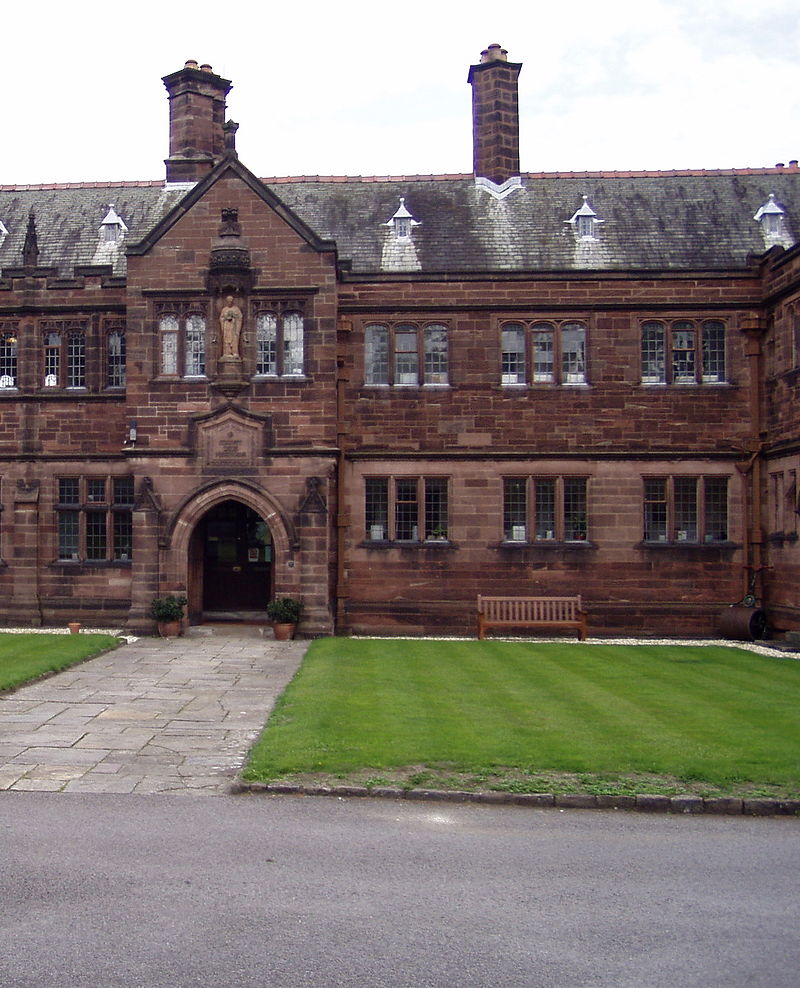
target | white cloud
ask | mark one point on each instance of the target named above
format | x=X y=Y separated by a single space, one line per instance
x=321 y=89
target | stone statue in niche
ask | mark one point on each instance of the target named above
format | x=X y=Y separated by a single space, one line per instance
x=230 y=321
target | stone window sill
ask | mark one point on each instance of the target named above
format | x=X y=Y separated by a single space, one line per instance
x=398 y=544
x=92 y=563
x=683 y=385
x=548 y=544
x=274 y=378
x=687 y=546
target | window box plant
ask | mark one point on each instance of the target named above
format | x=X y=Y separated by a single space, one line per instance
x=438 y=534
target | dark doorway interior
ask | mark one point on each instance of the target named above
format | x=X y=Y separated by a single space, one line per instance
x=237 y=561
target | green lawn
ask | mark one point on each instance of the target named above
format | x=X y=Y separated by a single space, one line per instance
x=28 y=656
x=531 y=717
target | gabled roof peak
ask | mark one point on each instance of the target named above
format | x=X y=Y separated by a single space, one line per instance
x=402 y=212
x=771 y=206
x=585 y=210
x=112 y=217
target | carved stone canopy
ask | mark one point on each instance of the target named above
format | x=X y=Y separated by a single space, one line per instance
x=229 y=270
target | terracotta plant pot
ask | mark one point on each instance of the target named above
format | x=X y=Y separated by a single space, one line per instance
x=170 y=629
x=283 y=632
x=74 y=627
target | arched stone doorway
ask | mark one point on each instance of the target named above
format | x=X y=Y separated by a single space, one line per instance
x=229 y=510
x=231 y=559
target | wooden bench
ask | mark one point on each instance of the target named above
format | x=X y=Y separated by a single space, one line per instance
x=532 y=612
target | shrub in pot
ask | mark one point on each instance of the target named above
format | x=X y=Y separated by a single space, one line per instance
x=168 y=612
x=284 y=612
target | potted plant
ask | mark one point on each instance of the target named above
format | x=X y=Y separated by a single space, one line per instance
x=284 y=612
x=168 y=612
x=578 y=529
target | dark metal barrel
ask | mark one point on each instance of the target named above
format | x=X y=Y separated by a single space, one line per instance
x=744 y=624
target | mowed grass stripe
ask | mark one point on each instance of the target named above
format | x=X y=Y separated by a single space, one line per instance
x=688 y=715
x=709 y=713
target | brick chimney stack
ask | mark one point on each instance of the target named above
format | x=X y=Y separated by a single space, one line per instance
x=196 y=121
x=495 y=115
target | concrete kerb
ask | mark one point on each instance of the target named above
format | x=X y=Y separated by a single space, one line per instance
x=642 y=803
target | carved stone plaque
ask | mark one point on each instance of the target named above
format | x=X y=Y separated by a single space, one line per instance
x=230 y=441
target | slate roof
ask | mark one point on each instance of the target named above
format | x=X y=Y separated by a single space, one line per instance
x=652 y=221
x=68 y=219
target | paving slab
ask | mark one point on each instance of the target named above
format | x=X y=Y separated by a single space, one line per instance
x=156 y=715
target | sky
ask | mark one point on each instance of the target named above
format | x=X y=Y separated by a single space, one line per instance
x=369 y=89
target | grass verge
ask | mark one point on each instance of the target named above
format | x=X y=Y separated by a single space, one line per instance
x=530 y=717
x=26 y=657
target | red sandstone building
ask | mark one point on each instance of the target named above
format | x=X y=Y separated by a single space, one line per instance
x=388 y=395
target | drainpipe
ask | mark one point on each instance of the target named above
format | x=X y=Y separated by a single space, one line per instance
x=342 y=495
x=754 y=331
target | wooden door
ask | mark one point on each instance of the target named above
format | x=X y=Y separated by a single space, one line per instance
x=237 y=559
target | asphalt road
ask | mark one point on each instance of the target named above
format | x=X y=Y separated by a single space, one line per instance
x=105 y=890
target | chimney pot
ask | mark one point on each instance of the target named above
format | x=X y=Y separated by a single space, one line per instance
x=205 y=67
x=494 y=53
x=191 y=64
x=793 y=163
x=780 y=164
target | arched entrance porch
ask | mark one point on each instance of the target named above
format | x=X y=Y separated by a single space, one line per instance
x=230 y=568
x=231 y=547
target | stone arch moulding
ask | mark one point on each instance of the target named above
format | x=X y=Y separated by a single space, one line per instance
x=183 y=520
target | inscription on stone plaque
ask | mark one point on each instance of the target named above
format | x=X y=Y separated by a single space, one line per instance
x=229 y=447
x=230 y=442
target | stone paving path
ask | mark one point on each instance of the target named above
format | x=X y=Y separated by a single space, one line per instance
x=157 y=715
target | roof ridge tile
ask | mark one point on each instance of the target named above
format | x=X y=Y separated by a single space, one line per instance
x=791 y=168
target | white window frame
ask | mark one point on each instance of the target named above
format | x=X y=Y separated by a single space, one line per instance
x=64 y=354
x=280 y=339
x=544 y=352
x=683 y=352
x=407 y=354
x=182 y=340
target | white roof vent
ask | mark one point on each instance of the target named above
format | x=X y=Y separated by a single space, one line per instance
x=773 y=220
x=402 y=221
x=584 y=221
x=112 y=229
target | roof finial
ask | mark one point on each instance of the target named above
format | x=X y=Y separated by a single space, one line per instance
x=30 y=249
